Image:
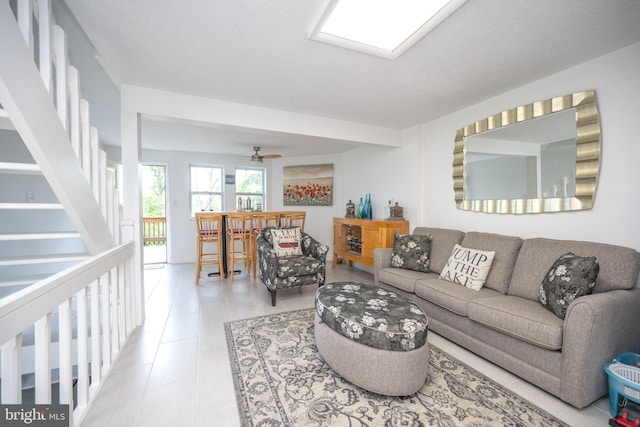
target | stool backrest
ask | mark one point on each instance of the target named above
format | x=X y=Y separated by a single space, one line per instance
x=239 y=223
x=208 y=225
x=293 y=219
x=265 y=219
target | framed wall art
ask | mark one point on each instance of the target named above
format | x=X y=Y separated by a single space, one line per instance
x=308 y=185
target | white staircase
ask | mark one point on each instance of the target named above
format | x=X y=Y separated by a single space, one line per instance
x=69 y=295
x=37 y=238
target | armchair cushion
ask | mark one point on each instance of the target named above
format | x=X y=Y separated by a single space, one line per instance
x=298 y=266
x=286 y=242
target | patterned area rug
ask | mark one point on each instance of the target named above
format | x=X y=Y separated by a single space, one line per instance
x=281 y=380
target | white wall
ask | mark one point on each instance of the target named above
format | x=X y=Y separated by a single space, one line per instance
x=418 y=174
x=318 y=221
x=613 y=218
x=385 y=173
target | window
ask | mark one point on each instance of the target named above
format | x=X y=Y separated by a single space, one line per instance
x=206 y=188
x=381 y=27
x=250 y=183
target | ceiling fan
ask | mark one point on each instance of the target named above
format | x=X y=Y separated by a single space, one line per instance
x=257 y=158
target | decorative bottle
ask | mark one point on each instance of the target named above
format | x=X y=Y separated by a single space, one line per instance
x=360 y=211
x=365 y=208
x=351 y=210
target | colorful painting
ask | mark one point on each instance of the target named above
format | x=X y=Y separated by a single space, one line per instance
x=310 y=185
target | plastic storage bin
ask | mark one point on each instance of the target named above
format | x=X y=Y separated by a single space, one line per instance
x=624 y=379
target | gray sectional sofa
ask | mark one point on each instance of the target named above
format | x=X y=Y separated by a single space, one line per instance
x=505 y=323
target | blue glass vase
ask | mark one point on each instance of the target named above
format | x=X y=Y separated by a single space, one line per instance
x=367 y=207
x=360 y=210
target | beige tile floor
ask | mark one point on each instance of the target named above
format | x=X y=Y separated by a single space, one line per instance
x=175 y=370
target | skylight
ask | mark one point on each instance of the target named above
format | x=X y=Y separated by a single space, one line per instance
x=385 y=28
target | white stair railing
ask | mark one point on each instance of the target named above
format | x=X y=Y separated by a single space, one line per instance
x=98 y=291
x=98 y=299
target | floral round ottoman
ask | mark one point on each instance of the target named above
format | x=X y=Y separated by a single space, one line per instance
x=372 y=337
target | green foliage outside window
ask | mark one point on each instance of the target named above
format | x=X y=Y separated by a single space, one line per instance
x=250 y=184
x=206 y=189
x=153 y=184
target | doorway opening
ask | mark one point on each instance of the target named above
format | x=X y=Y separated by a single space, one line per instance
x=154 y=214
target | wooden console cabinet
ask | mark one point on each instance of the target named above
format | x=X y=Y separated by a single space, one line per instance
x=355 y=239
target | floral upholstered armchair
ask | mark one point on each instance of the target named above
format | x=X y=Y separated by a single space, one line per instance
x=287 y=257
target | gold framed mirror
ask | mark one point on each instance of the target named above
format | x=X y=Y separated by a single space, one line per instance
x=538 y=157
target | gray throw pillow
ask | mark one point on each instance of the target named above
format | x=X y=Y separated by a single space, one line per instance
x=411 y=252
x=569 y=277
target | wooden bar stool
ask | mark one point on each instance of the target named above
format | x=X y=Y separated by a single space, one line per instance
x=208 y=229
x=239 y=234
x=261 y=220
x=293 y=219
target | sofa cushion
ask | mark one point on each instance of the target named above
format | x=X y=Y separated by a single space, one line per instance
x=570 y=277
x=519 y=317
x=619 y=265
x=286 y=242
x=442 y=241
x=448 y=295
x=468 y=267
x=411 y=252
x=506 y=250
x=400 y=278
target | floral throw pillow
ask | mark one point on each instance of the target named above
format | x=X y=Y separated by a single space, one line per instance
x=468 y=267
x=411 y=252
x=286 y=241
x=569 y=277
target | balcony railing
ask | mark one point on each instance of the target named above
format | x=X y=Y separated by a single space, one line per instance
x=154 y=231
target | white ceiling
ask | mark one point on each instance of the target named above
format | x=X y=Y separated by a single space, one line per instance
x=257 y=52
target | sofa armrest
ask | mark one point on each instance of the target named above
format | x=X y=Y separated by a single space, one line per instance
x=381 y=259
x=597 y=327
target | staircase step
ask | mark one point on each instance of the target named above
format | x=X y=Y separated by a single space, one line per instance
x=29 y=380
x=22 y=281
x=42 y=259
x=40 y=236
x=23 y=168
x=31 y=206
x=5 y=121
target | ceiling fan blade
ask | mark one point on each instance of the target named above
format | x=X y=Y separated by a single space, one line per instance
x=271 y=156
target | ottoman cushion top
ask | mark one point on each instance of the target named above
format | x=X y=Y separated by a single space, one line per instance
x=372 y=316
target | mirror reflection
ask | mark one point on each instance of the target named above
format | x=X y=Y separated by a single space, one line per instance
x=538 y=157
x=524 y=160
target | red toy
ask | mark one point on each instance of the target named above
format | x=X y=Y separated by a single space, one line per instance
x=628 y=416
